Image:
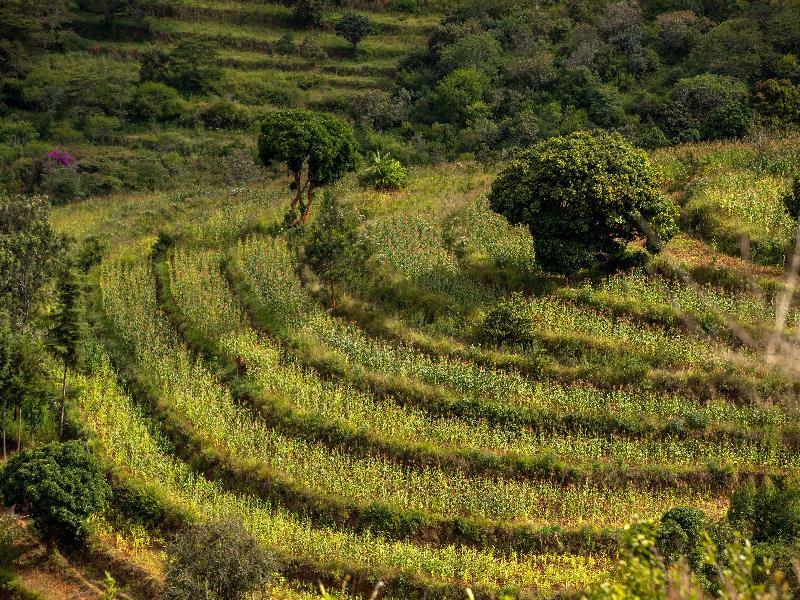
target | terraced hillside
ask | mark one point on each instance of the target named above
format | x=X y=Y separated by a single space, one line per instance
x=266 y=62
x=387 y=439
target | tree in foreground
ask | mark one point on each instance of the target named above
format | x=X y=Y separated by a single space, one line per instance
x=220 y=560
x=354 y=28
x=584 y=197
x=317 y=149
x=59 y=485
x=334 y=243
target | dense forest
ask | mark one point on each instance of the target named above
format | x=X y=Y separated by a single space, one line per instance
x=97 y=80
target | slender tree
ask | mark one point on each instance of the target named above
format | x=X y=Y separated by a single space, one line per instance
x=21 y=381
x=334 y=243
x=30 y=254
x=67 y=329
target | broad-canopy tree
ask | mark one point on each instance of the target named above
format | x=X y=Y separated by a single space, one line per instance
x=583 y=197
x=354 y=28
x=59 y=485
x=317 y=149
x=67 y=329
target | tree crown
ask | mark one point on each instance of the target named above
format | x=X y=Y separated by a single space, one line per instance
x=584 y=196
x=62 y=485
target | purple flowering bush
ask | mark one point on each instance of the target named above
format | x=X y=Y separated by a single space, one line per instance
x=62 y=157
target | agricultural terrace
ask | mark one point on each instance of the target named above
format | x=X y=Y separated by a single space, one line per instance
x=387 y=439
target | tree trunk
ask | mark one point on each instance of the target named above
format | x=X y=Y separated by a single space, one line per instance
x=298 y=190
x=19 y=429
x=5 y=416
x=333 y=296
x=309 y=202
x=63 y=402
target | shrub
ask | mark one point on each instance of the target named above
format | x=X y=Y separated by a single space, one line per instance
x=354 y=28
x=334 y=244
x=285 y=45
x=777 y=101
x=404 y=6
x=62 y=184
x=16 y=132
x=680 y=536
x=460 y=95
x=221 y=560
x=221 y=113
x=385 y=173
x=189 y=67
x=791 y=200
x=309 y=13
x=583 y=197
x=61 y=486
x=156 y=101
x=509 y=322
x=102 y=129
x=769 y=512
x=710 y=105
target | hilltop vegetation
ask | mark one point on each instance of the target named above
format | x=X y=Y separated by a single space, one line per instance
x=258 y=337
x=145 y=94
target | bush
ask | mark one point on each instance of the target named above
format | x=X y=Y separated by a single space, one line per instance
x=189 y=67
x=62 y=184
x=792 y=199
x=404 y=6
x=768 y=513
x=680 y=536
x=16 y=132
x=102 y=129
x=460 y=95
x=777 y=101
x=584 y=197
x=707 y=106
x=220 y=560
x=385 y=173
x=309 y=13
x=509 y=322
x=156 y=101
x=60 y=485
x=224 y=114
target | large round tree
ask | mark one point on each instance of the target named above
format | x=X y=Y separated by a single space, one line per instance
x=317 y=149
x=59 y=485
x=584 y=197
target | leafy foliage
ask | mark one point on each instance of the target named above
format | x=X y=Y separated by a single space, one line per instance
x=583 y=197
x=27 y=29
x=334 y=242
x=61 y=486
x=30 y=251
x=309 y=13
x=189 y=67
x=219 y=560
x=354 y=28
x=385 y=172
x=317 y=145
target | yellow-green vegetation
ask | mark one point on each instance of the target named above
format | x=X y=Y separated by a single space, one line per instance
x=397 y=437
